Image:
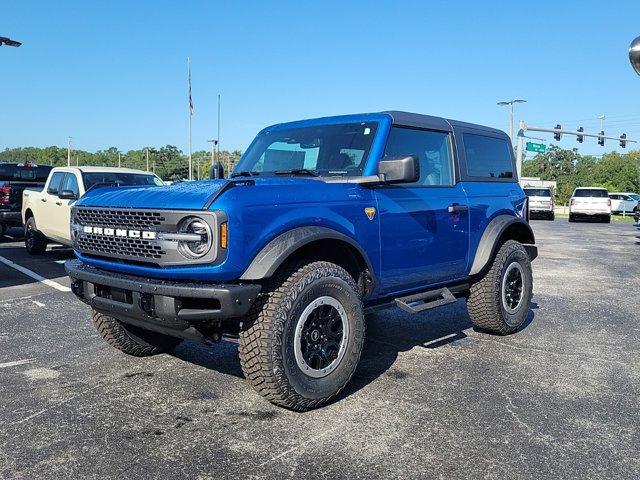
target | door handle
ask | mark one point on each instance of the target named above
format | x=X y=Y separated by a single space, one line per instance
x=457 y=208
x=58 y=203
x=43 y=199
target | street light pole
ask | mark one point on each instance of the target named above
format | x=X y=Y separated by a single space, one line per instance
x=68 y=151
x=510 y=103
x=147 y=159
x=602 y=119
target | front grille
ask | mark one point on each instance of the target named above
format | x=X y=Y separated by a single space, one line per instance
x=144 y=220
x=119 y=246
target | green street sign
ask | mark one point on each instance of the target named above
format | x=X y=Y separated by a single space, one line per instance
x=536 y=147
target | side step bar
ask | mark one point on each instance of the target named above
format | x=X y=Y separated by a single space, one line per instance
x=420 y=302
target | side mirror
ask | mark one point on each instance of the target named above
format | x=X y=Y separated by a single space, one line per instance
x=67 y=195
x=399 y=170
x=216 y=171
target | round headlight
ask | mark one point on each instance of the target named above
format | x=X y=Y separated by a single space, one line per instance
x=195 y=248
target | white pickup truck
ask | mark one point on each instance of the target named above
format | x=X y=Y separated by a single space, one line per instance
x=46 y=213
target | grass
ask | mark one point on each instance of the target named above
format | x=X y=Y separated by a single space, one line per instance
x=614 y=218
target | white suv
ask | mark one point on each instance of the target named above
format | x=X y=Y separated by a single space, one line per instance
x=541 y=202
x=590 y=202
x=624 y=202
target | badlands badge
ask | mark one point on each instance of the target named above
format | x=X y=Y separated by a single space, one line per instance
x=371 y=212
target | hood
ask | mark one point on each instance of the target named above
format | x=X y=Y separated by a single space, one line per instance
x=180 y=196
x=189 y=195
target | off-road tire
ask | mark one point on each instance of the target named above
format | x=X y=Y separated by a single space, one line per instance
x=606 y=219
x=485 y=306
x=551 y=217
x=572 y=218
x=267 y=336
x=34 y=241
x=130 y=339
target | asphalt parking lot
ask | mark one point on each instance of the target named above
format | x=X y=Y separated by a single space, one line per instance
x=432 y=397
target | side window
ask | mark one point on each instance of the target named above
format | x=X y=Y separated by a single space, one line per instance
x=431 y=147
x=487 y=157
x=54 y=184
x=70 y=183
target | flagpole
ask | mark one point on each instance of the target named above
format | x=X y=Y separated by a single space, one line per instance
x=189 y=106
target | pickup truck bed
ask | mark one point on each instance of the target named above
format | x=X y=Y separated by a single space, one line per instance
x=14 y=179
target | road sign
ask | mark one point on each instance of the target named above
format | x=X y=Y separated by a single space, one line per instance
x=536 y=147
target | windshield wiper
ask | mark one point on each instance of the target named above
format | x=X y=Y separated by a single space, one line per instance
x=297 y=171
x=244 y=173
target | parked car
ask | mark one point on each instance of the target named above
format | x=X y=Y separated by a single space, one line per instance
x=624 y=202
x=590 y=202
x=321 y=221
x=14 y=178
x=46 y=212
x=541 y=202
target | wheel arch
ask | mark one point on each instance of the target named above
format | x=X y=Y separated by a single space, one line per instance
x=313 y=243
x=28 y=213
x=500 y=229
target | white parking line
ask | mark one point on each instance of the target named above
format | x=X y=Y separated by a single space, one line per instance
x=34 y=275
x=16 y=363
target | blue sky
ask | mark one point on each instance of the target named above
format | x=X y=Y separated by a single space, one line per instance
x=113 y=73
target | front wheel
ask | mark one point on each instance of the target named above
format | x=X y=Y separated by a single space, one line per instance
x=132 y=340
x=302 y=341
x=499 y=301
x=34 y=241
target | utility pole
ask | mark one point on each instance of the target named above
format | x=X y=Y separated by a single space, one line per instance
x=510 y=103
x=147 y=159
x=119 y=160
x=68 y=151
x=190 y=115
x=218 y=139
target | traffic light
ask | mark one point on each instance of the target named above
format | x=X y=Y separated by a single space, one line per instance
x=580 y=138
x=557 y=135
x=601 y=138
x=623 y=140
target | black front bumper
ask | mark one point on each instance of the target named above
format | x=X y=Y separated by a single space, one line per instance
x=173 y=308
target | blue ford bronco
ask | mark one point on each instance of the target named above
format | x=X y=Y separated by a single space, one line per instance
x=321 y=222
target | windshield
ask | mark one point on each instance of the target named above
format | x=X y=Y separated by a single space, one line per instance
x=591 y=192
x=327 y=150
x=92 y=179
x=537 y=192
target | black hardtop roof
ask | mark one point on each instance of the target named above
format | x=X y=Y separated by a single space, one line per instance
x=418 y=120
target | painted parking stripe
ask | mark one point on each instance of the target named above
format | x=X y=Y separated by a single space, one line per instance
x=34 y=275
x=16 y=363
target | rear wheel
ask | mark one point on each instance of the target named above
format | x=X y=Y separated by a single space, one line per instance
x=499 y=301
x=551 y=216
x=302 y=341
x=34 y=241
x=130 y=339
x=606 y=219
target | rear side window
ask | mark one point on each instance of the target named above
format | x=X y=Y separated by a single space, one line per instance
x=591 y=192
x=433 y=149
x=537 y=192
x=487 y=157
x=54 y=184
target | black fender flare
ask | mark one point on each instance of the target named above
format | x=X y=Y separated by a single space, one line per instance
x=492 y=234
x=276 y=252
